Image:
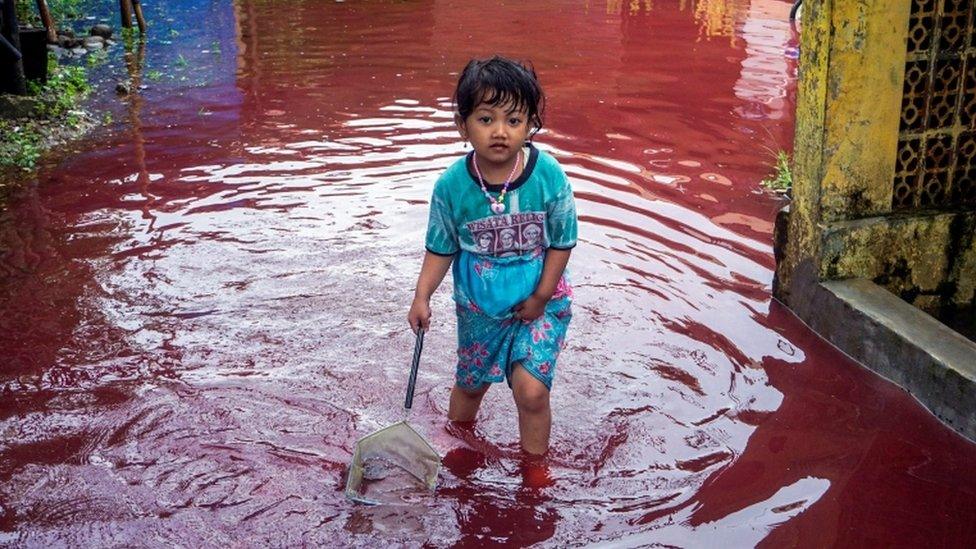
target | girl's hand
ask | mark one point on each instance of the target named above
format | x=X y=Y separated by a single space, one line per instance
x=530 y=309
x=419 y=315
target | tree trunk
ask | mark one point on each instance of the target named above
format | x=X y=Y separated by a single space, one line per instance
x=52 y=30
x=126 y=11
x=137 y=7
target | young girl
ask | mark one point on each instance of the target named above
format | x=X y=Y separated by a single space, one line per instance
x=505 y=216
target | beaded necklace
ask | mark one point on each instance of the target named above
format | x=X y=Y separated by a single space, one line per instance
x=497 y=206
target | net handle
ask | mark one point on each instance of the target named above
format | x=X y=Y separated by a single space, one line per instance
x=411 y=384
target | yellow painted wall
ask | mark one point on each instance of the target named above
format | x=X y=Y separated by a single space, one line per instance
x=841 y=224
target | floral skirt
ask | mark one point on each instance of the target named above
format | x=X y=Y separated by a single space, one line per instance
x=488 y=347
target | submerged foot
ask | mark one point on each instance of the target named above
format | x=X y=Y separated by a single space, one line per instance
x=535 y=471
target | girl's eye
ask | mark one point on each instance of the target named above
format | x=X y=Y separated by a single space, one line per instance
x=485 y=120
x=515 y=121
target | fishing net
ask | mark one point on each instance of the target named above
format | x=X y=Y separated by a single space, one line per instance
x=390 y=463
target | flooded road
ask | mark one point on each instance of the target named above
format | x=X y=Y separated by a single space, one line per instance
x=201 y=314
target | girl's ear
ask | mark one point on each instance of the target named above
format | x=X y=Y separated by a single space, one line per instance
x=462 y=129
x=536 y=126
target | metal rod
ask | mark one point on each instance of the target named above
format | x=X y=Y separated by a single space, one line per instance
x=408 y=403
x=12 y=78
x=10 y=49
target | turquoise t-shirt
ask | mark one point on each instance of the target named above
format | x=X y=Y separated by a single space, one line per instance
x=499 y=257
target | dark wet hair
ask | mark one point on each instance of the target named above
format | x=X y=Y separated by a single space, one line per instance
x=500 y=81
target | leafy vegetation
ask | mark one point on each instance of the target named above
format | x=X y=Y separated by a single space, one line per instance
x=96 y=58
x=782 y=177
x=21 y=141
x=66 y=86
x=61 y=11
x=20 y=145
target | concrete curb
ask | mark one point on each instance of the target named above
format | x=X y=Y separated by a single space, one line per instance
x=900 y=342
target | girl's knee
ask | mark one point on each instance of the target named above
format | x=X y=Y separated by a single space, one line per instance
x=472 y=394
x=531 y=395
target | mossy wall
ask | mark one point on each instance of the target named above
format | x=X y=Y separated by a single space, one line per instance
x=885 y=174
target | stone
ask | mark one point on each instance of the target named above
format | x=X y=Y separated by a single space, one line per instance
x=69 y=42
x=123 y=88
x=79 y=51
x=66 y=32
x=94 y=40
x=101 y=30
x=94 y=45
x=18 y=106
x=57 y=50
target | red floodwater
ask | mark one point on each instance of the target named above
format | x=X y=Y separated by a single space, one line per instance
x=202 y=314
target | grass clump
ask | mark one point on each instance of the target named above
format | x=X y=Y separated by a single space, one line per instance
x=55 y=116
x=782 y=177
x=61 y=11
x=20 y=145
x=66 y=86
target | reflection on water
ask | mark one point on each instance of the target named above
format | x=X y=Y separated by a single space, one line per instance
x=202 y=315
x=714 y=17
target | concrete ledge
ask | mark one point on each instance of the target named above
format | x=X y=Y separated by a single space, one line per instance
x=900 y=342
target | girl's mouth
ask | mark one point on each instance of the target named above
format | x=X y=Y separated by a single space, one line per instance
x=499 y=147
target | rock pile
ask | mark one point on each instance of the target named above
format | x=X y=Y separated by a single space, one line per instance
x=69 y=45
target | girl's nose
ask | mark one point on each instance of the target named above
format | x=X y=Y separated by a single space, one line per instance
x=498 y=130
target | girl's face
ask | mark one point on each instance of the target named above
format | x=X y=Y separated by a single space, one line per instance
x=497 y=133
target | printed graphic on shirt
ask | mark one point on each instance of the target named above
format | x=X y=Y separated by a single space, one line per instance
x=508 y=235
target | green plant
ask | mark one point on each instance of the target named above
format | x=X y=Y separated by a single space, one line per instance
x=782 y=177
x=25 y=13
x=215 y=47
x=96 y=58
x=66 y=86
x=65 y=10
x=61 y=11
x=154 y=75
x=34 y=87
x=57 y=100
x=72 y=119
x=20 y=146
x=181 y=61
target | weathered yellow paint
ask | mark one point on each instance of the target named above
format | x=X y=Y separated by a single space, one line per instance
x=803 y=241
x=865 y=74
x=853 y=55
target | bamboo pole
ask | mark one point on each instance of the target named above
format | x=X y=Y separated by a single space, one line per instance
x=125 y=9
x=52 y=30
x=137 y=7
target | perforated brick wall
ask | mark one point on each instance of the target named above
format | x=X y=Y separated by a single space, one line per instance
x=936 y=163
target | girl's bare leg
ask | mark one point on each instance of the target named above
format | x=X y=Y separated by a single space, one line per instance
x=464 y=404
x=535 y=417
